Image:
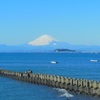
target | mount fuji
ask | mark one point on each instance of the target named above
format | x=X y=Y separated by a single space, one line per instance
x=46 y=43
x=43 y=40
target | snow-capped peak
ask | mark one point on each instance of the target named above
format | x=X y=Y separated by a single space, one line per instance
x=42 y=40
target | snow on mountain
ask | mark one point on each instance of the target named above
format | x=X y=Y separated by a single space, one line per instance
x=46 y=43
x=43 y=40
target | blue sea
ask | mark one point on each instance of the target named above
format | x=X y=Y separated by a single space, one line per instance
x=75 y=65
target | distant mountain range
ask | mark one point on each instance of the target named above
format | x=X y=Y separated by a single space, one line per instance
x=47 y=43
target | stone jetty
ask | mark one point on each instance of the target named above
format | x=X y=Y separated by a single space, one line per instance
x=84 y=86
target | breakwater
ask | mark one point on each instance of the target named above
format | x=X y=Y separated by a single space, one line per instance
x=72 y=84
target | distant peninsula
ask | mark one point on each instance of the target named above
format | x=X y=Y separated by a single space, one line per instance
x=65 y=50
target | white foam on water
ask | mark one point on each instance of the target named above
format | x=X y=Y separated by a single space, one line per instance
x=64 y=93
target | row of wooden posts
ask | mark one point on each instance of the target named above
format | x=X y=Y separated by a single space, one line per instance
x=72 y=84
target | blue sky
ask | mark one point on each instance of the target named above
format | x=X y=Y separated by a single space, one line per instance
x=71 y=21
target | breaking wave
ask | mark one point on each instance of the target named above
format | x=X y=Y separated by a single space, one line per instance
x=64 y=93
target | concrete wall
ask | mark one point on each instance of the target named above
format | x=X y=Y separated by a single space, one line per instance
x=78 y=85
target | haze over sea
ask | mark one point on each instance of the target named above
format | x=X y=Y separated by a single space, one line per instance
x=75 y=65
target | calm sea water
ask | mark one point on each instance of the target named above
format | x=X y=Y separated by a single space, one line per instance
x=75 y=65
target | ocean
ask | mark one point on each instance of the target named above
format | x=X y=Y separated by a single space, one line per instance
x=75 y=65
